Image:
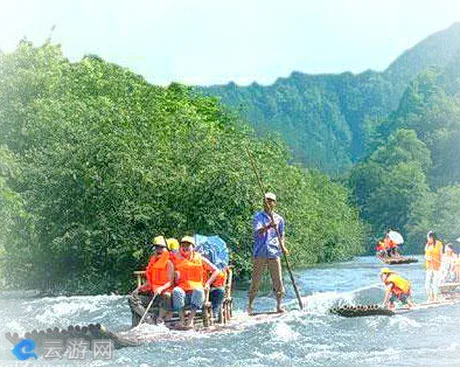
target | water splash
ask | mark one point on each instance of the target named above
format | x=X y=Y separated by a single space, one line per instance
x=322 y=302
x=403 y=323
x=283 y=332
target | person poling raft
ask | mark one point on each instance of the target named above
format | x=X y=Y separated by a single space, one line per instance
x=267 y=251
x=269 y=245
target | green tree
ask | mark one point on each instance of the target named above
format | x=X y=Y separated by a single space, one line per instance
x=107 y=160
x=390 y=181
x=437 y=211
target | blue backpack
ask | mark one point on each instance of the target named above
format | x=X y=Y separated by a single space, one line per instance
x=214 y=249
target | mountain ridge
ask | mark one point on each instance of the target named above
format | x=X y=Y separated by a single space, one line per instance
x=326 y=118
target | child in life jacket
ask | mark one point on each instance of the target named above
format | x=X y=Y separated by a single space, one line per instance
x=397 y=288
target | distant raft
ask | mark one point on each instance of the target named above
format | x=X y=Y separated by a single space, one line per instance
x=398 y=260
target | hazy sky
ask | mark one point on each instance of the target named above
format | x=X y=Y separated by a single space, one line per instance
x=212 y=41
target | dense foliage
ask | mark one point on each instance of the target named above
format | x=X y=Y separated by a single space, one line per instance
x=95 y=160
x=320 y=117
x=436 y=210
x=390 y=181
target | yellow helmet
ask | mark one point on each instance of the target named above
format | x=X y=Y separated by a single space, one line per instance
x=188 y=239
x=386 y=270
x=159 y=241
x=173 y=244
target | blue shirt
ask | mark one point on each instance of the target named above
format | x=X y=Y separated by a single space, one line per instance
x=266 y=245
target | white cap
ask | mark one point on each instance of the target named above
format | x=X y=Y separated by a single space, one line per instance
x=271 y=196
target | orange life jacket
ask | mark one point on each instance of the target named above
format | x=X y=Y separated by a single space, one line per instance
x=390 y=244
x=219 y=281
x=157 y=271
x=400 y=285
x=380 y=246
x=433 y=251
x=190 y=272
x=172 y=256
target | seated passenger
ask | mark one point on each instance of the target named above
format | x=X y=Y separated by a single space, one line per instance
x=381 y=249
x=160 y=278
x=189 y=266
x=457 y=268
x=397 y=288
x=448 y=262
x=391 y=247
x=217 y=293
x=173 y=245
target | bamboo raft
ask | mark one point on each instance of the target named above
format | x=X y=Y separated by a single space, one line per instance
x=450 y=288
x=203 y=321
x=378 y=310
x=89 y=333
x=362 y=311
x=398 y=260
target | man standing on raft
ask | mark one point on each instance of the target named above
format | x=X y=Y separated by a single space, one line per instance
x=267 y=251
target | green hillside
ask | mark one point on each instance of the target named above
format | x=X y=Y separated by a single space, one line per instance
x=411 y=179
x=326 y=120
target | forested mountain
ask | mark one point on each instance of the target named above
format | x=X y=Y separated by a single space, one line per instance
x=411 y=180
x=327 y=120
x=438 y=49
x=394 y=134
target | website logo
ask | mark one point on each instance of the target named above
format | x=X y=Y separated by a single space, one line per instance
x=24 y=349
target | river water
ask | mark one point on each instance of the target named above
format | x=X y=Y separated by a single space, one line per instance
x=312 y=337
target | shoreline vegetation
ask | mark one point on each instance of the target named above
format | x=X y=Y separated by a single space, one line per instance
x=95 y=161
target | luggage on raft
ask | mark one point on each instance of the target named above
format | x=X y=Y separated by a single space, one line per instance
x=213 y=248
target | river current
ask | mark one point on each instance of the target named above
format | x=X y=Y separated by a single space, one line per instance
x=312 y=337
